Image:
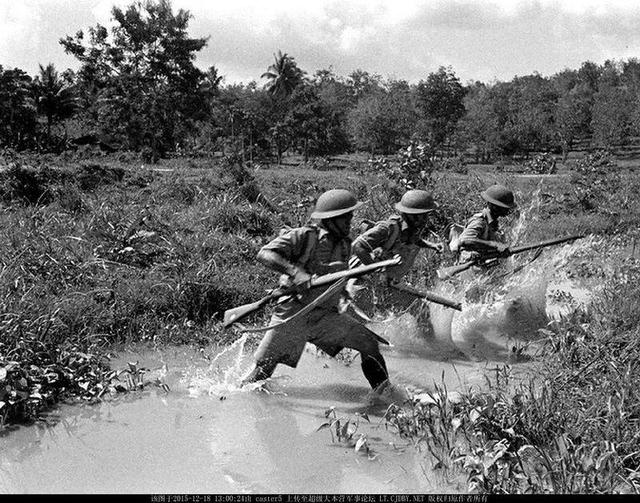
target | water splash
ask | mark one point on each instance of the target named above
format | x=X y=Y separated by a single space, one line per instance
x=526 y=215
x=224 y=373
x=507 y=306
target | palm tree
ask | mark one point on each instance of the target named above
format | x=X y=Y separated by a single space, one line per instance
x=54 y=96
x=283 y=76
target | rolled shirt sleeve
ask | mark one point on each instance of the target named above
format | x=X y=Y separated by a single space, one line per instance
x=375 y=237
x=290 y=244
x=476 y=228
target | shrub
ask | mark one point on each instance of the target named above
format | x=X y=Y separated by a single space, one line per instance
x=27 y=184
x=541 y=164
x=415 y=165
x=90 y=176
x=594 y=180
x=226 y=213
x=69 y=198
x=380 y=165
x=454 y=164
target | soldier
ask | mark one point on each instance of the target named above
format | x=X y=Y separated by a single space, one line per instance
x=398 y=235
x=480 y=236
x=482 y=233
x=299 y=253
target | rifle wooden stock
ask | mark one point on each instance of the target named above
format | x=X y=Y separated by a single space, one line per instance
x=448 y=272
x=430 y=296
x=237 y=313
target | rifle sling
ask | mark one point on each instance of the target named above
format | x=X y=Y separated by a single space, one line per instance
x=332 y=290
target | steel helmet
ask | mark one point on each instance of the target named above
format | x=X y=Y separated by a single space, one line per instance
x=333 y=203
x=500 y=196
x=416 y=201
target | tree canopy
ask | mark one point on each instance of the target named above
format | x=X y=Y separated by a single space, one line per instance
x=139 y=80
x=138 y=84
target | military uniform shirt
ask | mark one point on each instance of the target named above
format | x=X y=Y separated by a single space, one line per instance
x=327 y=254
x=327 y=250
x=480 y=226
x=407 y=244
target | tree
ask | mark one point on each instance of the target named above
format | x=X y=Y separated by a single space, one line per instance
x=282 y=76
x=573 y=109
x=336 y=100
x=311 y=122
x=139 y=81
x=362 y=84
x=481 y=125
x=55 y=96
x=612 y=115
x=17 y=109
x=240 y=116
x=440 y=102
x=382 y=122
x=532 y=112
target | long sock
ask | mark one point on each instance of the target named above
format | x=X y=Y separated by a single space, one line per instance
x=262 y=370
x=374 y=369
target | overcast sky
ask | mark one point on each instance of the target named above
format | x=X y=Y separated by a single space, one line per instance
x=483 y=40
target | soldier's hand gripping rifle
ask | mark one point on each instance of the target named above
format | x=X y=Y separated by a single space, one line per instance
x=231 y=316
x=487 y=258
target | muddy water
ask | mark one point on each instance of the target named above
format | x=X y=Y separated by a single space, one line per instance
x=205 y=435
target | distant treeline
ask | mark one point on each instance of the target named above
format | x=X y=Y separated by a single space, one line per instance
x=138 y=89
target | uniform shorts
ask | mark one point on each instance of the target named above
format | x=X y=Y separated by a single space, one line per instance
x=327 y=329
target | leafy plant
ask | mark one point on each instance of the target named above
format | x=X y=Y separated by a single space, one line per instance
x=541 y=164
x=345 y=429
x=415 y=165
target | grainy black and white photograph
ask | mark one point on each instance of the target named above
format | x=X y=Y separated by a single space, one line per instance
x=328 y=251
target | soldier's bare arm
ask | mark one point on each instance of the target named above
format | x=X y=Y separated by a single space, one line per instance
x=278 y=263
x=471 y=240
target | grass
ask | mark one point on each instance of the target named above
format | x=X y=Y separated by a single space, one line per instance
x=98 y=251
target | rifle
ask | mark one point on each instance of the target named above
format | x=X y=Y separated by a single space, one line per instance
x=237 y=313
x=448 y=272
x=430 y=296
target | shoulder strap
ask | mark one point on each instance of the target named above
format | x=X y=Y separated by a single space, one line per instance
x=393 y=235
x=311 y=239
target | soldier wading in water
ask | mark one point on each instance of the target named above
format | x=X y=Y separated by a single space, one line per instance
x=399 y=234
x=482 y=233
x=299 y=253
